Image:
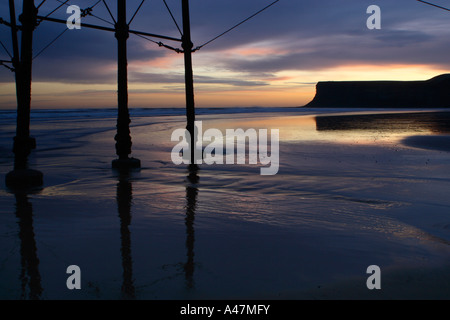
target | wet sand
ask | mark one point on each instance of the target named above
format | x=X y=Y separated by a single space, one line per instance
x=341 y=201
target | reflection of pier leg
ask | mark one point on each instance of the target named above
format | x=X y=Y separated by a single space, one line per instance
x=124 y=198
x=123 y=138
x=30 y=263
x=21 y=176
x=191 y=203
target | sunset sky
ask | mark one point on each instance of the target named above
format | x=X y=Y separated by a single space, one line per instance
x=275 y=59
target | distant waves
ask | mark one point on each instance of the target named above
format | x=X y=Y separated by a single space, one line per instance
x=134 y=112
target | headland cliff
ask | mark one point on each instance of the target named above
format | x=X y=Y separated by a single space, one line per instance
x=432 y=93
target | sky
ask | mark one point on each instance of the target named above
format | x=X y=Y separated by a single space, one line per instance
x=273 y=60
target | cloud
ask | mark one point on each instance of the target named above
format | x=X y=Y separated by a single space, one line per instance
x=300 y=36
x=174 y=78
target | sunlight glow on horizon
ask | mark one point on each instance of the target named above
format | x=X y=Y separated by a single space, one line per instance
x=290 y=88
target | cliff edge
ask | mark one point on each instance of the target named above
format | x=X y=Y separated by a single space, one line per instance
x=432 y=93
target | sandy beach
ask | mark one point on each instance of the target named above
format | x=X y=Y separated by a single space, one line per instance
x=342 y=200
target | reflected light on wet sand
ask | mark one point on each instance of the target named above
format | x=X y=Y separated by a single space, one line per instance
x=353 y=127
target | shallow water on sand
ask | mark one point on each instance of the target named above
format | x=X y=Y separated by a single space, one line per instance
x=350 y=192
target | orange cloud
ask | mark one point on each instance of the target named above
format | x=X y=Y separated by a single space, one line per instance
x=255 y=51
x=259 y=50
x=276 y=79
x=167 y=62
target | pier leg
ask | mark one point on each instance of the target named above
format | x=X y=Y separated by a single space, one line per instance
x=123 y=138
x=189 y=77
x=22 y=176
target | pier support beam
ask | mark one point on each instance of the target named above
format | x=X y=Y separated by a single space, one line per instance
x=22 y=176
x=187 y=46
x=123 y=138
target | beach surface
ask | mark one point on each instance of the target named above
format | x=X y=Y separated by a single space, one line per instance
x=344 y=198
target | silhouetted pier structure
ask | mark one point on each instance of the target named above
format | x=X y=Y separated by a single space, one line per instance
x=123 y=137
x=189 y=76
x=22 y=176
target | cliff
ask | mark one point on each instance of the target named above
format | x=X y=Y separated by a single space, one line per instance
x=432 y=93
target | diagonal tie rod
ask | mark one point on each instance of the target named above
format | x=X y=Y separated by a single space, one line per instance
x=92 y=26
